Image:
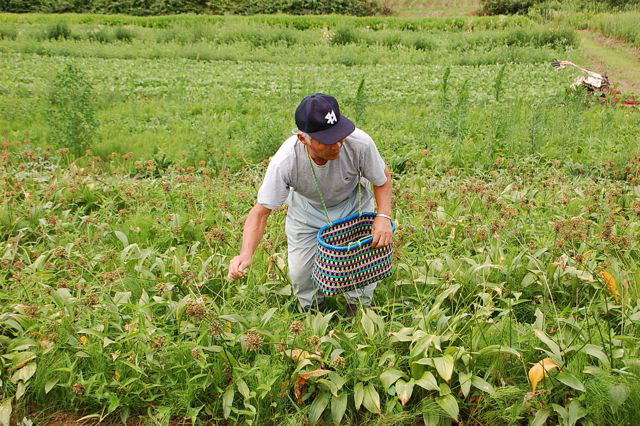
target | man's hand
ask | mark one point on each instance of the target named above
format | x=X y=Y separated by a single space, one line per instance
x=382 y=232
x=238 y=265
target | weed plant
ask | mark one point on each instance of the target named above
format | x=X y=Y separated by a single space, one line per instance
x=58 y=31
x=123 y=34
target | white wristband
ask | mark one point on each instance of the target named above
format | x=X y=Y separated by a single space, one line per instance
x=384 y=215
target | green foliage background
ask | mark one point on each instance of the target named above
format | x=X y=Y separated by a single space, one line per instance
x=508 y=7
x=168 y=7
x=512 y=195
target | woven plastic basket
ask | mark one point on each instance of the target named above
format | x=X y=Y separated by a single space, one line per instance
x=344 y=259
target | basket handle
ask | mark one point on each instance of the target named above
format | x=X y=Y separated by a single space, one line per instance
x=315 y=180
x=359 y=242
x=324 y=205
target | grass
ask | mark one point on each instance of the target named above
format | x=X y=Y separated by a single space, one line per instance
x=621 y=26
x=512 y=196
x=415 y=8
x=622 y=65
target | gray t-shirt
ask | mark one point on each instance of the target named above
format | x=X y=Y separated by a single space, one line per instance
x=289 y=169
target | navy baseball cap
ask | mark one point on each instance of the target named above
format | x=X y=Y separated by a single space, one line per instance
x=319 y=116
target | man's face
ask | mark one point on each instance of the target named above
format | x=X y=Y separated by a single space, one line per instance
x=326 y=152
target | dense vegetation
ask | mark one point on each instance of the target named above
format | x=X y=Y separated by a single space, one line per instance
x=163 y=7
x=497 y=7
x=515 y=291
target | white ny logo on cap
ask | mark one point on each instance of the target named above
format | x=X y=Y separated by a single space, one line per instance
x=331 y=117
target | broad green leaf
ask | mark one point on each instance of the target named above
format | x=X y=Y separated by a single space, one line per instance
x=371 y=399
x=539 y=322
x=404 y=390
x=243 y=388
x=444 y=366
x=389 y=377
x=122 y=297
x=428 y=382
x=368 y=325
x=37 y=265
x=431 y=419
x=449 y=404
x=358 y=395
x=320 y=323
x=338 y=407
x=450 y=291
x=402 y=335
x=377 y=319
x=528 y=280
x=465 y=383
x=619 y=394
x=493 y=349
x=114 y=403
x=561 y=411
x=317 y=407
x=337 y=379
x=444 y=389
x=267 y=315
x=25 y=373
x=330 y=386
x=481 y=384
x=122 y=237
x=576 y=412
x=65 y=295
x=570 y=380
x=597 y=352
x=227 y=401
x=5 y=412
x=192 y=412
x=20 y=390
x=50 y=384
x=541 y=417
x=553 y=346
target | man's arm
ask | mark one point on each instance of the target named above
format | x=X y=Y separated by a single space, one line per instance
x=382 y=231
x=254 y=228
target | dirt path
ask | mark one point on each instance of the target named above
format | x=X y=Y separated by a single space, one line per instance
x=618 y=60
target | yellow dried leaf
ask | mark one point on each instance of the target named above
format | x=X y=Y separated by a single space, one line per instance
x=610 y=281
x=299 y=355
x=117 y=376
x=302 y=379
x=315 y=373
x=536 y=373
x=84 y=340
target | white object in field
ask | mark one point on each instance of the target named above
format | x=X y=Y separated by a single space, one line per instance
x=591 y=80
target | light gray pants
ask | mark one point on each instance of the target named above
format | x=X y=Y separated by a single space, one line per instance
x=302 y=225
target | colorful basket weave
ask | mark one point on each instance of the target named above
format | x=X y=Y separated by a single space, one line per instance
x=344 y=259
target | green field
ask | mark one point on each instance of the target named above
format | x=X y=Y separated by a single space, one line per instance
x=517 y=203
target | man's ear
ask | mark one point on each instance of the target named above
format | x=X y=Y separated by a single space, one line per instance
x=302 y=139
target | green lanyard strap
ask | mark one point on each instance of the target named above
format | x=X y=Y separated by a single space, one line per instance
x=324 y=205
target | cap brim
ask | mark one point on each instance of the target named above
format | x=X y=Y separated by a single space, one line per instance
x=341 y=130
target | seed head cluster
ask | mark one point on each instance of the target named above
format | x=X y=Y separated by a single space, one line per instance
x=197 y=309
x=297 y=327
x=254 y=341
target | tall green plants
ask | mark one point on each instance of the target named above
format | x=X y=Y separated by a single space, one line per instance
x=70 y=111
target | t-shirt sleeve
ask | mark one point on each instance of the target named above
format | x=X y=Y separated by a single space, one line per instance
x=373 y=165
x=275 y=187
